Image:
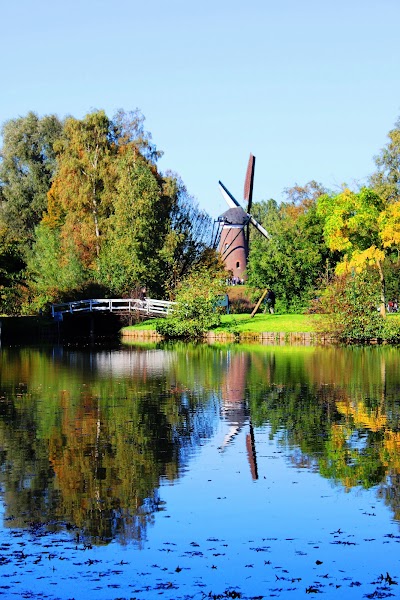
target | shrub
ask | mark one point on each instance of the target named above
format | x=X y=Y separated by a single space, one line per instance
x=196 y=310
x=350 y=307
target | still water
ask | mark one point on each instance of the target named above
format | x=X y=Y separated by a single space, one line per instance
x=184 y=471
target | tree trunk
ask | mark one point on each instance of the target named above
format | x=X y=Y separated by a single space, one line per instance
x=95 y=218
x=383 y=299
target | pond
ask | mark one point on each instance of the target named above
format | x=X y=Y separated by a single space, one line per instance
x=195 y=471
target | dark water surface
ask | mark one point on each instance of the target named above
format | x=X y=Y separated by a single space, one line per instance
x=182 y=471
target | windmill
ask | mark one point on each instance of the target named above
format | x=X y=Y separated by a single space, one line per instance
x=235 y=226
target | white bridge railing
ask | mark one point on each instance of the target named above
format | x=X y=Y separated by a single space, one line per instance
x=149 y=306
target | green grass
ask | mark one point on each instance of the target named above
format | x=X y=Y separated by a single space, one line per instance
x=149 y=325
x=268 y=323
x=258 y=324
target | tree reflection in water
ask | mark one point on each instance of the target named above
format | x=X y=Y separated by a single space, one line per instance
x=87 y=438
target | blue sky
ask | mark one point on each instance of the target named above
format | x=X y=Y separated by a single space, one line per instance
x=310 y=87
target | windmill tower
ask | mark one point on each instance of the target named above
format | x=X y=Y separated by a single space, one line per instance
x=233 y=245
x=235 y=226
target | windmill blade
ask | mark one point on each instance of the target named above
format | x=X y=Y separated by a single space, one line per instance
x=217 y=237
x=251 y=452
x=259 y=227
x=248 y=190
x=230 y=200
x=248 y=183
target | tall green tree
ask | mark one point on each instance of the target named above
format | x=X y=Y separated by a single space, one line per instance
x=294 y=259
x=27 y=165
x=138 y=225
x=55 y=270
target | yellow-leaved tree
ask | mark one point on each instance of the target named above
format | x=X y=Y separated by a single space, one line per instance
x=364 y=228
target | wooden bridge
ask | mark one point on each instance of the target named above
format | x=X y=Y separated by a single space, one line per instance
x=148 y=307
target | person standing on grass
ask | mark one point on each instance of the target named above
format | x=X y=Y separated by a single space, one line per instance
x=270 y=302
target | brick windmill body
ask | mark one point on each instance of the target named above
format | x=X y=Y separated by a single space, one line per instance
x=235 y=227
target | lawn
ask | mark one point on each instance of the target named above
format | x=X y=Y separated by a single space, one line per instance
x=259 y=323
x=272 y=323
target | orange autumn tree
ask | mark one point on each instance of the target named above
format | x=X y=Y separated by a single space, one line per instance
x=80 y=199
x=69 y=238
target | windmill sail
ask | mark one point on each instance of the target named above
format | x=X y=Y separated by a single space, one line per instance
x=259 y=227
x=248 y=189
x=230 y=200
x=248 y=183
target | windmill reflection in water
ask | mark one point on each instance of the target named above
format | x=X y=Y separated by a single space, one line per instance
x=235 y=410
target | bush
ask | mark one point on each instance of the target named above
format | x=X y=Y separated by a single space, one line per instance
x=11 y=299
x=350 y=307
x=196 y=311
x=391 y=330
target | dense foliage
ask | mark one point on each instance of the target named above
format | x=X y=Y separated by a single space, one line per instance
x=294 y=260
x=350 y=305
x=27 y=165
x=85 y=210
x=196 y=310
x=364 y=227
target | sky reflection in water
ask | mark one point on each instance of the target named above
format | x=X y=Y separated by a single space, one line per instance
x=192 y=470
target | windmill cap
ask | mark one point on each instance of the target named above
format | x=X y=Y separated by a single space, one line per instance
x=234 y=216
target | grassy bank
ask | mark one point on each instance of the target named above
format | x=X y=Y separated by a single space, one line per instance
x=260 y=323
x=243 y=323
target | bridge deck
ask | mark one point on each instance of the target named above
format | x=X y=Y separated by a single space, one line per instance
x=149 y=306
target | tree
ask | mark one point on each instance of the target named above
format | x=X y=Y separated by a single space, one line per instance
x=354 y=226
x=189 y=237
x=138 y=225
x=349 y=308
x=27 y=165
x=386 y=180
x=80 y=197
x=55 y=270
x=304 y=195
x=292 y=261
x=63 y=261
x=12 y=274
x=112 y=217
x=129 y=128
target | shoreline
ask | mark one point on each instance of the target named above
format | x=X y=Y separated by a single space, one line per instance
x=266 y=337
